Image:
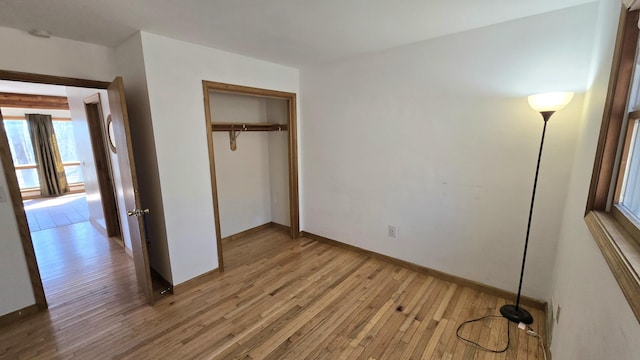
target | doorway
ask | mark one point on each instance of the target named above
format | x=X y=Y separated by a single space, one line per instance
x=86 y=199
x=126 y=182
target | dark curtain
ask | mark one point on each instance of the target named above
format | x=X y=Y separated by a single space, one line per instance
x=53 y=180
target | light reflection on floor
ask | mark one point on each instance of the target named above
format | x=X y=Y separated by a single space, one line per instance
x=72 y=258
x=47 y=213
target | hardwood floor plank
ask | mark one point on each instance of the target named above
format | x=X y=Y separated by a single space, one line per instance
x=353 y=324
x=305 y=342
x=435 y=339
x=277 y=299
x=346 y=283
x=416 y=304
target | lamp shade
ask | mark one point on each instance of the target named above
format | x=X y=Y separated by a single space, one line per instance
x=553 y=101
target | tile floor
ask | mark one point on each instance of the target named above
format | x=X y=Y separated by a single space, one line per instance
x=47 y=213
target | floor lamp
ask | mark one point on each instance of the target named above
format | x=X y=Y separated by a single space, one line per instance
x=546 y=104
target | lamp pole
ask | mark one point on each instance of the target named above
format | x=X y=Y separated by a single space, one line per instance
x=546 y=104
x=514 y=312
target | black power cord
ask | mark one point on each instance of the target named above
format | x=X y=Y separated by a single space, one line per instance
x=480 y=346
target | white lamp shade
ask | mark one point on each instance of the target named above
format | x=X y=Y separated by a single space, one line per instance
x=553 y=101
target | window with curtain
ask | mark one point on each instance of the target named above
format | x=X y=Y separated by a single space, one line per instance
x=24 y=159
x=67 y=145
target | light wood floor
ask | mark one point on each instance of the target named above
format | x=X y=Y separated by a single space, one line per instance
x=278 y=299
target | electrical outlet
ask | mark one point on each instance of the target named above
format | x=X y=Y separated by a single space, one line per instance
x=393 y=231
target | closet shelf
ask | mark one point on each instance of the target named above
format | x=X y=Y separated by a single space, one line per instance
x=248 y=127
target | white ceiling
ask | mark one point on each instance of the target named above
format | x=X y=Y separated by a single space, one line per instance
x=292 y=32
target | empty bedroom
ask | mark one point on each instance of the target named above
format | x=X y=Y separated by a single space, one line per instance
x=359 y=179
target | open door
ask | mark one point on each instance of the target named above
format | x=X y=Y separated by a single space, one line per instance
x=126 y=163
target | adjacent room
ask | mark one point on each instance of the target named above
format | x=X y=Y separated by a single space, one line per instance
x=71 y=214
x=320 y=180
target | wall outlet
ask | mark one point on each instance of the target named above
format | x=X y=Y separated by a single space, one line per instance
x=393 y=231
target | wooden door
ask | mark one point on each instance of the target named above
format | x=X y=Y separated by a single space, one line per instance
x=126 y=163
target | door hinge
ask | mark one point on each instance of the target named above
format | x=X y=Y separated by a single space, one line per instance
x=137 y=212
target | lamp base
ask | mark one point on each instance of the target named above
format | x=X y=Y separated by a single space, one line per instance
x=516 y=314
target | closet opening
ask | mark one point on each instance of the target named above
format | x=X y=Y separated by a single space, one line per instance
x=252 y=140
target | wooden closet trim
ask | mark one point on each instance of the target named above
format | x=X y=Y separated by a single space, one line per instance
x=294 y=209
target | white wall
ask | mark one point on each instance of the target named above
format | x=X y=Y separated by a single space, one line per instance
x=55 y=56
x=437 y=138
x=244 y=197
x=84 y=149
x=14 y=276
x=596 y=321
x=23 y=52
x=278 y=112
x=130 y=64
x=243 y=181
x=252 y=181
x=227 y=107
x=174 y=71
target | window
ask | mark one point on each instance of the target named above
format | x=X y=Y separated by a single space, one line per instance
x=22 y=153
x=24 y=159
x=67 y=145
x=613 y=205
x=627 y=195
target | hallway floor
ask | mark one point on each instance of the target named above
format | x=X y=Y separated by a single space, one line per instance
x=47 y=213
x=79 y=264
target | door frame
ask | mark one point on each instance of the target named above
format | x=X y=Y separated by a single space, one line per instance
x=102 y=159
x=294 y=207
x=12 y=180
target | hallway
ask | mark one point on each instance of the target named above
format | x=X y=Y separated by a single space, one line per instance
x=78 y=261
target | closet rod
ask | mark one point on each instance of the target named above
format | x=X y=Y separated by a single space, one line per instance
x=248 y=127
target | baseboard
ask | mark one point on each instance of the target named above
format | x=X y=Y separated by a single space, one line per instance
x=118 y=240
x=99 y=227
x=128 y=252
x=525 y=300
x=247 y=232
x=196 y=281
x=18 y=314
x=281 y=227
x=255 y=230
x=549 y=329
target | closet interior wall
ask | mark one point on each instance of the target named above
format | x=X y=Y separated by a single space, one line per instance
x=253 y=180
